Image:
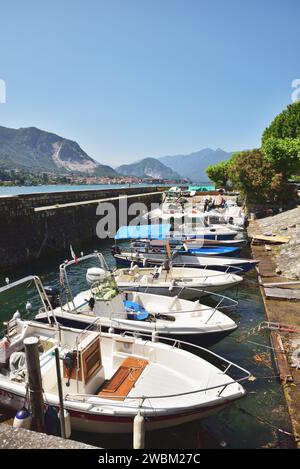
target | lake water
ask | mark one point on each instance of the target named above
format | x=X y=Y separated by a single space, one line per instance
x=251 y=422
x=16 y=190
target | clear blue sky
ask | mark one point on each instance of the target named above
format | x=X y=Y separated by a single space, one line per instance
x=128 y=79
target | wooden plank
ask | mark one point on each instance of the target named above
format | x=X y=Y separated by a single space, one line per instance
x=271 y=239
x=124 y=379
x=281 y=284
x=282 y=293
x=284 y=370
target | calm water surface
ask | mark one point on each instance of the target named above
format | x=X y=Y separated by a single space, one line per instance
x=235 y=427
x=16 y=190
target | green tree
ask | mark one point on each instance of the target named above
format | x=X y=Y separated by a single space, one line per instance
x=253 y=174
x=281 y=141
x=283 y=154
x=218 y=173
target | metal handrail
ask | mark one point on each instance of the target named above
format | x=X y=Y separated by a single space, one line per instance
x=176 y=343
x=216 y=273
x=231 y=269
x=40 y=289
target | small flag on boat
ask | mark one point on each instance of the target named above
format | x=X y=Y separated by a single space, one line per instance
x=73 y=254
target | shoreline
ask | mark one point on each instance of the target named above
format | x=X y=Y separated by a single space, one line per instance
x=281 y=312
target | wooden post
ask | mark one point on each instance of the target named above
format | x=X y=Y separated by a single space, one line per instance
x=60 y=393
x=35 y=383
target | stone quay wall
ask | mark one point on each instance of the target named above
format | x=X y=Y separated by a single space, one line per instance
x=33 y=226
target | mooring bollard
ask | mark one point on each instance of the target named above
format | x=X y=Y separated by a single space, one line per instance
x=35 y=383
x=139 y=431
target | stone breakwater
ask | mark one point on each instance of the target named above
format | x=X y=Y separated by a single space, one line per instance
x=286 y=256
x=33 y=226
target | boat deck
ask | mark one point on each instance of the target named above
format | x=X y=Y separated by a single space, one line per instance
x=124 y=379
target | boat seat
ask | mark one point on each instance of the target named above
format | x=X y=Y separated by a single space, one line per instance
x=124 y=379
x=134 y=270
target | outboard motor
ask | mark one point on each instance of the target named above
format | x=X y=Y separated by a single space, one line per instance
x=115 y=249
x=53 y=296
x=96 y=274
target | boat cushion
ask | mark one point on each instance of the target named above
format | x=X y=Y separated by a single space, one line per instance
x=124 y=379
x=138 y=312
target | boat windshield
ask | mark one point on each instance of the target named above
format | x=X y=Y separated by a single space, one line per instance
x=105 y=289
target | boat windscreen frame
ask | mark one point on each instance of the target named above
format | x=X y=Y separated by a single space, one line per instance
x=41 y=292
x=63 y=275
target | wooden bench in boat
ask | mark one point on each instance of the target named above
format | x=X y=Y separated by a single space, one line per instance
x=124 y=379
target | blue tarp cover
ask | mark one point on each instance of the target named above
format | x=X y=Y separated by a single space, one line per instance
x=157 y=231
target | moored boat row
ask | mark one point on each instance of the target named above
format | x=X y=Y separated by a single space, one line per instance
x=120 y=339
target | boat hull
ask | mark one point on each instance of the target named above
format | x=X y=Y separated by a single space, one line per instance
x=205 y=339
x=111 y=423
x=215 y=251
x=202 y=251
x=213 y=237
x=244 y=267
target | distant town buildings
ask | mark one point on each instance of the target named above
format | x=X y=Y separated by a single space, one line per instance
x=16 y=177
x=120 y=180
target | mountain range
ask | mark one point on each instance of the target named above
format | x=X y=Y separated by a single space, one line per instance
x=37 y=150
x=148 y=167
x=193 y=165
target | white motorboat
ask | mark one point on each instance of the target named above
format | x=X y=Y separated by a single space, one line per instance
x=196 y=247
x=209 y=232
x=185 y=282
x=230 y=216
x=138 y=312
x=175 y=232
x=224 y=264
x=107 y=379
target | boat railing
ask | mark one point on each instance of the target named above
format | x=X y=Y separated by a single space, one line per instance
x=89 y=327
x=231 y=269
x=208 y=276
x=117 y=317
x=244 y=376
x=198 y=291
x=203 y=277
x=217 y=307
x=40 y=289
x=64 y=280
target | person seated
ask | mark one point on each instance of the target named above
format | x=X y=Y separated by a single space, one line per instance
x=219 y=201
x=208 y=204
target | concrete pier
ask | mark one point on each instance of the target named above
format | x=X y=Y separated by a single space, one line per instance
x=33 y=226
x=19 y=438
